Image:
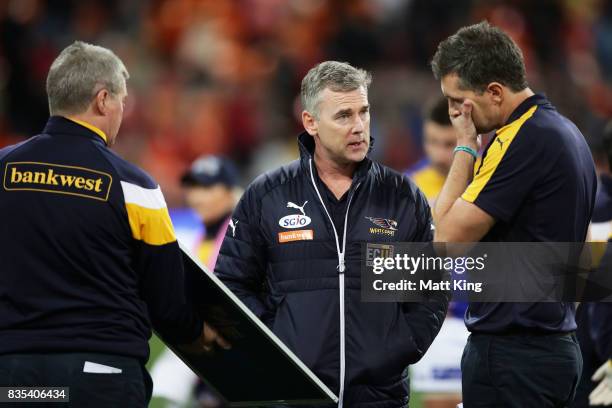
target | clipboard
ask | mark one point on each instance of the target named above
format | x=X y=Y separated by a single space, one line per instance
x=259 y=370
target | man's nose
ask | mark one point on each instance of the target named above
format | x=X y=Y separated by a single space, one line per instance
x=359 y=125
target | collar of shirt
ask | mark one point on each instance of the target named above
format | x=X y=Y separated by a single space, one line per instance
x=536 y=99
x=91 y=127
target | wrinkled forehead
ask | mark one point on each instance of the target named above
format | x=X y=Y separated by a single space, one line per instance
x=335 y=100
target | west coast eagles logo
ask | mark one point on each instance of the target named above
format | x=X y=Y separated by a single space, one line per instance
x=384 y=226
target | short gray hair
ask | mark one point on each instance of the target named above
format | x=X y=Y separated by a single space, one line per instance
x=78 y=73
x=337 y=76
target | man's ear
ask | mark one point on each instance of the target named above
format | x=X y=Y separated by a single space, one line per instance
x=101 y=101
x=496 y=91
x=310 y=123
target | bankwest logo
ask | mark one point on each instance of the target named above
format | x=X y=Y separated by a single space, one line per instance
x=56 y=178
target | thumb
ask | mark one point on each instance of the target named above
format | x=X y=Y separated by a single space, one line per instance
x=601 y=371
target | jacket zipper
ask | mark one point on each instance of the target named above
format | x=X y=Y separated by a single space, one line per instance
x=341 y=268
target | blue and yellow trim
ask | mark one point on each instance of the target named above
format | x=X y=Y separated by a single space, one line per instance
x=148 y=215
x=495 y=154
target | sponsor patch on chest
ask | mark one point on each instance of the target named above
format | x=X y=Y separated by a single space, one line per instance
x=297 y=235
x=383 y=226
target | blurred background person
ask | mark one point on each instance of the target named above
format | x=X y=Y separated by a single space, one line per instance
x=600 y=142
x=439 y=141
x=438 y=374
x=211 y=190
x=594 y=319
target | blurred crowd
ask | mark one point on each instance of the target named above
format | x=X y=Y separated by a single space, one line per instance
x=222 y=76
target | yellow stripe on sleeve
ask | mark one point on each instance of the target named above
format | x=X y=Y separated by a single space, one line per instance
x=152 y=226
x=147 y=214
x=495 y=154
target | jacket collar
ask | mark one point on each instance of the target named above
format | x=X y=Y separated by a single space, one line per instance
x=307 y=147
x=537 y=99
x=62 y=125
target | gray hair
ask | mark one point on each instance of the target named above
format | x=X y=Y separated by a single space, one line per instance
x=337 y=76
x=79 y=72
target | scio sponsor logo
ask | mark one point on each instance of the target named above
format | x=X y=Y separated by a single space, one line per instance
x=294 y=221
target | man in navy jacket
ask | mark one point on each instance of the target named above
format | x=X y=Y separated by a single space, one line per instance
x=90 y=261
x=292 y=252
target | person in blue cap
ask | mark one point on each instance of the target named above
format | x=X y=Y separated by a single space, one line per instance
x=212 y=190
x=594 y=319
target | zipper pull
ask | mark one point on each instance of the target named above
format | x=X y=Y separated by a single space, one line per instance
x=341 y=266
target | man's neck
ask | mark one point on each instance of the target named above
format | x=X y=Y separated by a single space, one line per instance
x=337 y=177
x=513 y=102
x=90 y=122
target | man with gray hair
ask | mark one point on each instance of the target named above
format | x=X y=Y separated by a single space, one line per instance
x=293 y=255
x=90 y=259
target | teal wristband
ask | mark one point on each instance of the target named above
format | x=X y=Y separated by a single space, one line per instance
x=467 y=149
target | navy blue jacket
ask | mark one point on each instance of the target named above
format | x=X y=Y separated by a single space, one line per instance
x=537 y=179
x=286 y=261
x=89 y=259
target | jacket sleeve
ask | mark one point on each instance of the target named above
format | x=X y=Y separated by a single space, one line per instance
x=158 y=261
x=241 y=261
x=426 y=317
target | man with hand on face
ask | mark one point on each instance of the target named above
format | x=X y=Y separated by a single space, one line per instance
x=536 y=183
x=294 y=256
x=90 y=262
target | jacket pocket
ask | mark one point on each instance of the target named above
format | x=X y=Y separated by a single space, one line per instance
x=306 y=322
x=404 y=345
